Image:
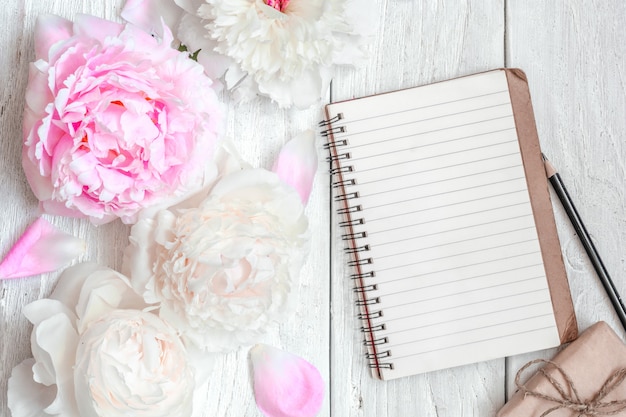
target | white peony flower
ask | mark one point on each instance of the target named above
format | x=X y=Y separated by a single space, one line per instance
x=96 y=352
x=283 y=49
x=222 y=270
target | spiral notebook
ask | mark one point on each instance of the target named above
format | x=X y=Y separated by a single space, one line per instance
x=447 y=220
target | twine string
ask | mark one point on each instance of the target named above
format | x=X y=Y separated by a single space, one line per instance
x=568 y=396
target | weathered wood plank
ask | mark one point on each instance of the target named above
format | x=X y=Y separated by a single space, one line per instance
x=574 y=56
x=258 y=130
x=416 y=43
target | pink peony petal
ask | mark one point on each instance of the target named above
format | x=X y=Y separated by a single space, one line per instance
x=49 y=30
x=42 y=248
x=285 y=385
x=95 y=27
x=297 y=163
x=147 y=14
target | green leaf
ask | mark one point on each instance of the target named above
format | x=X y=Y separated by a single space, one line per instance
x=183 y=48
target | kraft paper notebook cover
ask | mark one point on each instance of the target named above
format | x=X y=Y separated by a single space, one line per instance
x=446 y=215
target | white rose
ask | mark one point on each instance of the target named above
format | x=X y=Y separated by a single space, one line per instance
x=96 y=353
x=223 y=270
x=131 y=361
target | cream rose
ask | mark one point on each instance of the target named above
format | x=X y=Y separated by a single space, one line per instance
x=96 y=352
x=222 y=271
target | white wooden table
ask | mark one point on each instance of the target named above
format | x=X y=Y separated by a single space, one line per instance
x=574 y=54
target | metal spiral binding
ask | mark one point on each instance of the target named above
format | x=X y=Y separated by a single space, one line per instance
x=376 y=342
x=339 y=157
x=370 y=274
x=333 y=131
x=370 y=315
x=377 y=328
x=348 y=196
x=328 y=145
x=350 y=223
x=344 y=183
x=378 y=355
x=360 y=262
x=330 y=121
x=340 y=170
x=353 y=236
x=365 y=288
x=348 y=210
x=352 y=250
x=367 y=301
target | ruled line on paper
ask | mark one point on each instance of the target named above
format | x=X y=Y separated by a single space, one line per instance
x=378 y=141
x=472 y=231
x=458 y=254
x=384 y=319
x=463 y=214
x=491 y=171
x=499 y=336
x=458 y=241
x=450 y=230
x=375 y=219
x=469 y=304
x=469 y=317
x=425 y=107
x=447 y=192
x=382 y=293
x=471 y=290
x=413 y=161
x=415 y=135
x=473 y=161
x=441 y=116
x=460 y=267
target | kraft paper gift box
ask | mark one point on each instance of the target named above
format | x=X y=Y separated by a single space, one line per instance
x=596 y=366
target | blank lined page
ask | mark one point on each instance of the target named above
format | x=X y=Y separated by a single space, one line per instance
x=458 y=269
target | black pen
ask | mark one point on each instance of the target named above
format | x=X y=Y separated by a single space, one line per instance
x=581 y=231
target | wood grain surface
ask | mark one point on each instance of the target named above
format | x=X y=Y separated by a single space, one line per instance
x=574 y=54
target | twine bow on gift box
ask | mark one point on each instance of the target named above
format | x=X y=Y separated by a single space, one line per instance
x=569 y=397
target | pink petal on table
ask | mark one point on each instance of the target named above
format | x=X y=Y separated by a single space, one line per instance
x=285 y=385
x=297 y=163
x=42 y=248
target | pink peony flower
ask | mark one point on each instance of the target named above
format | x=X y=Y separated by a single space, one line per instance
x=116 y=121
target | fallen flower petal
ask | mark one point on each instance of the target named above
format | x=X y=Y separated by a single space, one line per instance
x=297 y=163
x=285 y=385
x=42 y=248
